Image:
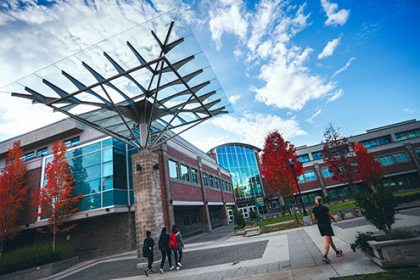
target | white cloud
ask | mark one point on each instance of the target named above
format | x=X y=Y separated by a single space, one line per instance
x=237 y=53
x=330 y=48
x=234 y=98
x=311 y=119
x=334 y=17
x=288 y=83
x=409 y=110
x=227 y=18
x=336 y=95
x=252 y=128
x=343 y=68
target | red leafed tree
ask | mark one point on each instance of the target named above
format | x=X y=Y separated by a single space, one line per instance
x=275 y=165
x=13 y=192
x=370 y=171
x=339 y=158
x=55 y=199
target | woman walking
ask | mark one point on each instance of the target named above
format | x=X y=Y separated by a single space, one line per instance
x=148 y=245
x=176 y=244
x=164 y=249
x=322 y=215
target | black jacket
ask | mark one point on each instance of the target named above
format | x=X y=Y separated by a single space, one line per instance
x=164 y=242
x=148 y=245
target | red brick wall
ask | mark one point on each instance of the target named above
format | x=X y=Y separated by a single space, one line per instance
x=182 y=157
x=213 y=195
x=229 y=197
x=185 y=192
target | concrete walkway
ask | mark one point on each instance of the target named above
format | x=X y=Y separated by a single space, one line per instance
x=291 y=254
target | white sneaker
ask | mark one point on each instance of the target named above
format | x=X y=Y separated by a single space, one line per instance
x=179 y=264
x=161 y=271
x=177 y=268
x=172 y=267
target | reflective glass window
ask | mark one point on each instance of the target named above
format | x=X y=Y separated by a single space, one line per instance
x=185 y=172
x=211 y=181
x=88 y=187
x=108 y=183
x=42 y=152
x=216 y=182
x=223 y=185
x=84 y=161
x=173 y=169
x=107 y=143
x=301 y=179
x=28 y=156
x=309 y=176
x=385 y=160
x=90 y=202
x=326 y=173
x=418 y=152
x=107 y=154
x=107 y=169
x=311 y=197
x=332 y=193
x=305 y=198
x=383 y=141
x=304 y=158
x=401 y=157
x=317 y=155
x=84 y=150
x=205 y=179
x=72 y=141
x=401 y=136
x=194 y=174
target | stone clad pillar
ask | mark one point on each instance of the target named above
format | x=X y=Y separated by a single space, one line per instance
x=147 y=201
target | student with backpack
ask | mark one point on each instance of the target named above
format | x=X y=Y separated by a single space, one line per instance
x=148 y=245
x=164 y=249
x=176 y=244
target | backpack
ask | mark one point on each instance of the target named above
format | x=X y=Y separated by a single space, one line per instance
x=173 y=244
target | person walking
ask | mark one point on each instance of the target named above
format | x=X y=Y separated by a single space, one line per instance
x=148 y=245
x=176 y=244
x=322 y=215
x=164 y=249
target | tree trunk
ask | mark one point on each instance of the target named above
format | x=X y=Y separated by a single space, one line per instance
x=1 y=248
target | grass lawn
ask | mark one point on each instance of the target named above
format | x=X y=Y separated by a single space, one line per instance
x=406 y=274
x=406 y=193
x=342 y=206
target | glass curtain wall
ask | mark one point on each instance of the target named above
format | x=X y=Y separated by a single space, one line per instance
x=99 y=171
x=242 y=164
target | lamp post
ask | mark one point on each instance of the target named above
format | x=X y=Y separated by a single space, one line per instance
x=292 y=165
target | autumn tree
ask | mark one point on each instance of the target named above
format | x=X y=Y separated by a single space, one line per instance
x=275 y=166
x=369 y=170
x=338 y=156
x=55 y=199
x=13 y=192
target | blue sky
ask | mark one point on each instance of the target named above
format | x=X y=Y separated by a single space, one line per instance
x=294 y=66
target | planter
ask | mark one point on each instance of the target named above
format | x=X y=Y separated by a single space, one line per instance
x=396 y=253
x=240 y=231
x=252 y=231
x=41 y=271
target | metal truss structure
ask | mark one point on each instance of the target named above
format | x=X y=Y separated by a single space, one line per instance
x=143 y=86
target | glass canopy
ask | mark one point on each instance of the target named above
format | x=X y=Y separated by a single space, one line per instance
x=142 y=86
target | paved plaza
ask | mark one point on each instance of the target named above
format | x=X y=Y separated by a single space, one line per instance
x=290 y=254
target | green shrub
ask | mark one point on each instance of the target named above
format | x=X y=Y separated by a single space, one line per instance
x=361 y=242
x=32 y=256
x=253 y=215
x=238 y=219
x=407 y=198
x=378 y=208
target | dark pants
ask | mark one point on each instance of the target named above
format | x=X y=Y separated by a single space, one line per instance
x=165 y=253
x=150 y=260
x=177 y=260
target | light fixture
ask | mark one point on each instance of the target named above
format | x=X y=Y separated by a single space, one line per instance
x=156 y=166
x=138 y=167
x=106 y=209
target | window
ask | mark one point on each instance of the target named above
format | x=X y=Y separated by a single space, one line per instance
x=300 y=179
x=385 y=160
x=332 y=193
x=275 y=204
x=326 y=173
x=28 y=156
x=383 y=141
x=42 y=152
x=418 y=152
x=72 y=141
x=401 y=157
x=312 y=197
x=186 y=219
x=173 y=169
x=407 y=135
x=388 y=183
x=223 y=185
x=304 y=158
x=205 y=179
x=194 y=175
x=369 y=144
x=305 y=198
x=194 y=219
x=309 y=176
x=216 y=182
x=211 y=181
x=185 y=173
x=317 y=155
